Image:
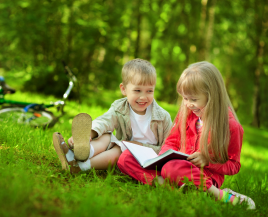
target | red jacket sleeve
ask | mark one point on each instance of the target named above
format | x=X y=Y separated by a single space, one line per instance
x=232 y=166
x=172 y=141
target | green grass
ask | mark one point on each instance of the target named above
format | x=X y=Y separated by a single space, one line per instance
x=32 y=183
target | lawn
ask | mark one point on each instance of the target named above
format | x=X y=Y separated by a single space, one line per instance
x=32 y=183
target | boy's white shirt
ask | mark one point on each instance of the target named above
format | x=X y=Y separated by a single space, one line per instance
x=118 y=118
x=140 y=124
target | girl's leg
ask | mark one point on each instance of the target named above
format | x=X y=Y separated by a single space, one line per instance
x=177 y=170
x=129 y=166
x=214 y=191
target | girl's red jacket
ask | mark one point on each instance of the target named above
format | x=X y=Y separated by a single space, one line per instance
x=215 y=171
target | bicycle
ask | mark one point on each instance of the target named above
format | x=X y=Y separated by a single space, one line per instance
x=33 y=114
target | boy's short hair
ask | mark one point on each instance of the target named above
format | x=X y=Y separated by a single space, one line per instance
x=139 y=71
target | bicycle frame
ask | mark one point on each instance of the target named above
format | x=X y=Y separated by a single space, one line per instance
x=60 y=104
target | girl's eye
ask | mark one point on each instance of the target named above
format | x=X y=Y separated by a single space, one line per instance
x=194 y=100
x=137 y=90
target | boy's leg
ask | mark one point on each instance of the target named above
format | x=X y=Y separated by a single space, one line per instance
x=129 y=166
x=81 y=130
x=65 y=154
x=100 y=145
x=101 y=161
x=105 y=159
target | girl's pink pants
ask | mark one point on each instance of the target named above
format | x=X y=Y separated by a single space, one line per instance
x=174 y=170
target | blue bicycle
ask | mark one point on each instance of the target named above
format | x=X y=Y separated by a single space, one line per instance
x=33 y=114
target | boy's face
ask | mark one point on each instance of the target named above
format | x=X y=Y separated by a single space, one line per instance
x=138 y=96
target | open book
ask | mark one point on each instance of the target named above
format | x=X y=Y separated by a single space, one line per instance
x=148 y=159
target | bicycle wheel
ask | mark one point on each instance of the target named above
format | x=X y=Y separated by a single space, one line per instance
x=32 y=117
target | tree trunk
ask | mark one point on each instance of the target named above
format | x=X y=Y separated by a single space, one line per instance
x=201 y=45
x=137 y=45
x=70 y=34
x=209 y=34
x=261 y=28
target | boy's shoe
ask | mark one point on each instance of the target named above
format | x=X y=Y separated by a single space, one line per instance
x=62 y=149
x=242 y=198
x=81 y=130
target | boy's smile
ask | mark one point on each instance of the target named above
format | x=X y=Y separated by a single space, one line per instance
x=139 y=96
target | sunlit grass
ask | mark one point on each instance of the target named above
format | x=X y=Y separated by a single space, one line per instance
x=32 y=183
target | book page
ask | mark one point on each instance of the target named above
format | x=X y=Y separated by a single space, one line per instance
x=141 y=153
x=160 y=160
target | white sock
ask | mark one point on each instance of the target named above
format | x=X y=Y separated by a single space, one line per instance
x=70 y=156
x=84 y=166
x=91 y=151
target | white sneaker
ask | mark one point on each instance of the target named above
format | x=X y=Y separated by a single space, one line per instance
x=242 y=198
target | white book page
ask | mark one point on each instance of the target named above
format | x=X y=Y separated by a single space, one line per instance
x=141 y=153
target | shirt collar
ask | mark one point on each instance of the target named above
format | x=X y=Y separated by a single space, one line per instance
x=122 y=106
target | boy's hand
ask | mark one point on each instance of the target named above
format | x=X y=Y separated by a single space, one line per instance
x=135 y=142
x=71 y=142
x=198 y=159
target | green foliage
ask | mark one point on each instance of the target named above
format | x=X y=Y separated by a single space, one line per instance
x=97 y=37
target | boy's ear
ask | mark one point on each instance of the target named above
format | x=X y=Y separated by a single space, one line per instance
x=123 y=89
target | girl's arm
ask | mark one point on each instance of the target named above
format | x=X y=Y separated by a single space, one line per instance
x=172 y=141
x=166 y=125
x=232 y=166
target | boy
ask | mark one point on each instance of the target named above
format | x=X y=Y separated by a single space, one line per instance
x=136 y=118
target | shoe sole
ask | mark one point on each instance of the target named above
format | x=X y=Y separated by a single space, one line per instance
x=61 y=155
x=81 y=130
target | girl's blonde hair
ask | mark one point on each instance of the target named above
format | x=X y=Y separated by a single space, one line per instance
x=205 y=78
x=139 y=71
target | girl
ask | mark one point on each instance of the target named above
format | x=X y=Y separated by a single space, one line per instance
x=207 y=129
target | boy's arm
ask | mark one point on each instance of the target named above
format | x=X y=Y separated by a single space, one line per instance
x=104 y=123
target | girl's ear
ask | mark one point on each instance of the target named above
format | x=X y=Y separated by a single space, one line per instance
x=123 y=89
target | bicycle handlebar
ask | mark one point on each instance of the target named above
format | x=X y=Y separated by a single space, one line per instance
x=68 y=91
x=72 y=80
x=69 y=72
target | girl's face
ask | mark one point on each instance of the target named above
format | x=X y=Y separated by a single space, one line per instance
x=196 y=103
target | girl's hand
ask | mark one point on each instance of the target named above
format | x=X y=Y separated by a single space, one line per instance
x=135 y=142
x=198 y=159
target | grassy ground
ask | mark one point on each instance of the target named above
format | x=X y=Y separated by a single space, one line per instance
x=32 y=183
